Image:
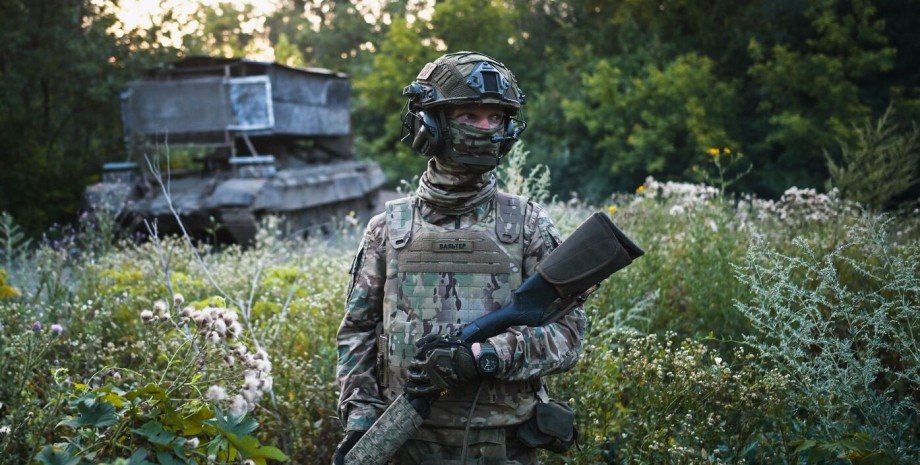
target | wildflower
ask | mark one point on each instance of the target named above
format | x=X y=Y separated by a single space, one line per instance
x=159 y=307
x=57 y=329
x=215 y=392
x=234 y=330
x=146 y=316
x=192 y=443
x=8 y=292
x=713 y=151
x=37 y=326
x=238 y=406
x=640 y=189
x=4 y=430
x=612 y=209
x=178 y=299
x=718 y=360
x=727 y=151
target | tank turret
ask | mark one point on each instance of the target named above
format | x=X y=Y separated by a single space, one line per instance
x=257 y=139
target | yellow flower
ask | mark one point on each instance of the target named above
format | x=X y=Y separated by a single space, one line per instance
x=727 y=151
x=713 y=151
x=612 y=209
x=8 y=292
x=640 y=189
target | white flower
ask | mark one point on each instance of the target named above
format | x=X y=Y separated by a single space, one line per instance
x=718 y=360
x=178 y=299
x=215 y=392
x=213 y=337
x=146 y=316
x=159 y=307
x=238 y=406
x=263 y=365
x=235 y=330
x=192 y=443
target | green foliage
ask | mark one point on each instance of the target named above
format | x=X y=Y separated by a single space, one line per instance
x=666 y=375
x=61 y=72
x=13 y=241
x=884 y=164
x=660 y=122
x=842 y=324
x=515 y=179
x=656 y=399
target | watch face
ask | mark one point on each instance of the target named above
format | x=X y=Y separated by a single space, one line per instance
x=488 y=363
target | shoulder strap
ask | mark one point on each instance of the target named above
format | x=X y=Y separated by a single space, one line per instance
x=399 y=221
x=509 y=218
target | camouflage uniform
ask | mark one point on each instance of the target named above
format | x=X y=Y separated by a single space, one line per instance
x=392 y=302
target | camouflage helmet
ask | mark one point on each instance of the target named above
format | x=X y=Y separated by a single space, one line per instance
x=465 y=77
x=456 y=79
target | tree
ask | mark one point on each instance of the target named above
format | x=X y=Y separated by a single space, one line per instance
x=61 y=72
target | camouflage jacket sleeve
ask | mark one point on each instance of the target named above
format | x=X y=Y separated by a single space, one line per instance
x=360 y=402
x=531 y=352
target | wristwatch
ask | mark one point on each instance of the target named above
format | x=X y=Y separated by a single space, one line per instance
x=487 y=361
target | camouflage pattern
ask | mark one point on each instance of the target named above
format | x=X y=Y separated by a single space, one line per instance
x=444 y=446
x=470 y=140
x=397 y=425
x=402 y=306
x=445 y=278
x=449 y=188
x=458 y=78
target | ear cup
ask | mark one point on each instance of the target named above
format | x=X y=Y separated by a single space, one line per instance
x=427 y=138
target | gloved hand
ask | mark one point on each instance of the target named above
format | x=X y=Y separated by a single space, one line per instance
x=345 y=446
x=441 y=362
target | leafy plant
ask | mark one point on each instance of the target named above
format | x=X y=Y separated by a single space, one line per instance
x=842 y=325
x=13 y=242
x=884 y=164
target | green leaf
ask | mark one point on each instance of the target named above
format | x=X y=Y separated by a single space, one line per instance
x=139 y=457
x=152 y=390
x=194 y=423
x=229 y=424
x=154 y=432
x=50 y=456
x=249 y=447
x=92 y=413
x=165 y=458
x=875 y=458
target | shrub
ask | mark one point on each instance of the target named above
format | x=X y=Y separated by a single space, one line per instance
x=842 y=325
x=646 y=399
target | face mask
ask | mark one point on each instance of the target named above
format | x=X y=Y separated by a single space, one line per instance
x=472 y=145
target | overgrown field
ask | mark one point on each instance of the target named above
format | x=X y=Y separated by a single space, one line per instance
x=750 y=332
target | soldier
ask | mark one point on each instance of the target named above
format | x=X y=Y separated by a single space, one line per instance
x=441 y=257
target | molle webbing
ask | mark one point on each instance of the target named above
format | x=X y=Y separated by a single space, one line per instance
x=399 y=221
x=510 y=218
x=454 y=252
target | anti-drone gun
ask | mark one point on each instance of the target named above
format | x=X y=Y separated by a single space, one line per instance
x=563 y=279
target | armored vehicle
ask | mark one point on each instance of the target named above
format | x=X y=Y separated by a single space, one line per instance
x=259 y=138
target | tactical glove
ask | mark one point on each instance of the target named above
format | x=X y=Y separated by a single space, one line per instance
x=441 y=362
x=345 y=446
